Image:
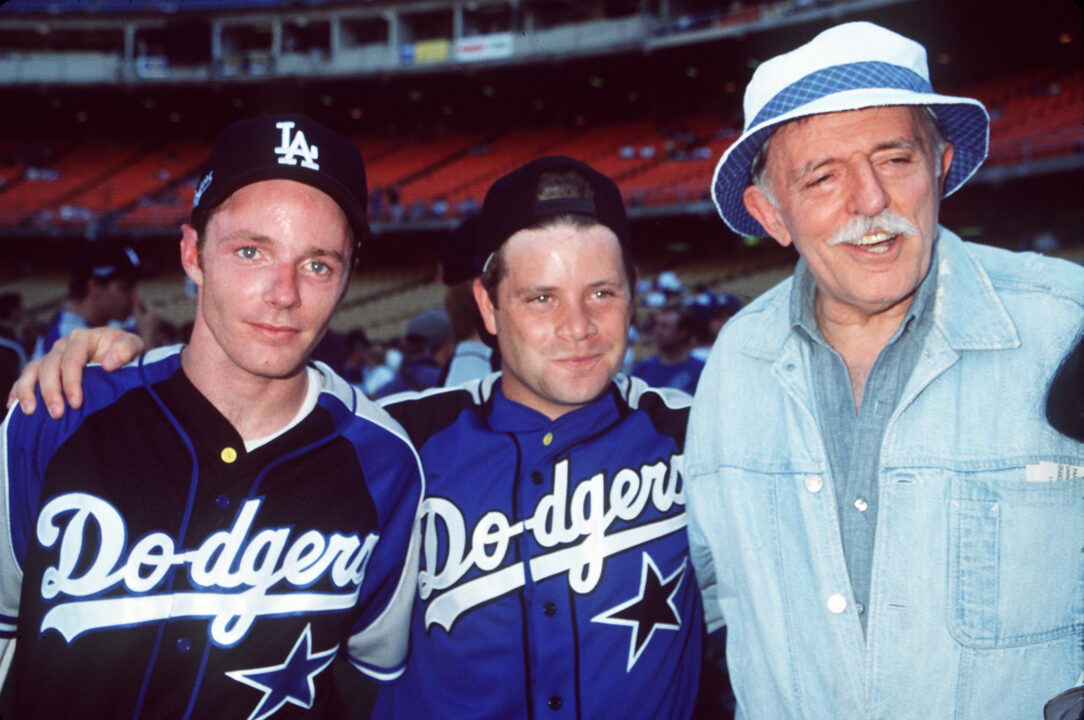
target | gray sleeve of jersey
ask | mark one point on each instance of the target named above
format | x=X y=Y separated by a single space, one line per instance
x=380 y=650
x=385 y=641
x=700 y=552
x=11 y=575
x=7 y=651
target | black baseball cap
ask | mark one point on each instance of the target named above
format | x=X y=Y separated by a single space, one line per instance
x=285 y=147
x=511 y=204
x=459 y=255
x=103 y=261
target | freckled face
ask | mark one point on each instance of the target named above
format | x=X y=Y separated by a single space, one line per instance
x=833 y=169
x=562 y=321
x=273 y=265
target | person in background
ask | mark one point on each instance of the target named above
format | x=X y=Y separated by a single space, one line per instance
x=473 y=356
x=102 y=291
x=427 y=349
x=673 y=333
x=12 y=353
x=712 y=311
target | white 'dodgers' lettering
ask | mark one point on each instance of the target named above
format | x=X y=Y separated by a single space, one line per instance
x=237 y=571
x=577 y=528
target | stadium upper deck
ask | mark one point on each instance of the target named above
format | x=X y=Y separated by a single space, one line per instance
x=191 y=41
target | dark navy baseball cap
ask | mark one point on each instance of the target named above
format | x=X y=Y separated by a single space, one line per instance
x=285 y=147
x=459 y=259
x=511 y=204
x=104 y=261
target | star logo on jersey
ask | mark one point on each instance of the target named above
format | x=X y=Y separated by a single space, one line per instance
x=291 y=681
x=653 y=609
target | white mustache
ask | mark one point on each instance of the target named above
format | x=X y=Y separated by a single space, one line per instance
x=887 y=221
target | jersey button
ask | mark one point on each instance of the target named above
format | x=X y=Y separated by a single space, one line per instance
x=184 y=645
x=555 y=702
x=550 y=608
x=228 y=455
x=536 y=477
x=547 y=439
x=223 y=501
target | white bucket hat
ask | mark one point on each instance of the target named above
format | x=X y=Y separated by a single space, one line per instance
x=848 y=67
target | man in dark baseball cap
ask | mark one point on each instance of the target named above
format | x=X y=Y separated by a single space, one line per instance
x=102 y=291
x=539 y=465
x=285 y=147
x=473 y=356
x=270 y=506
x=513 y=204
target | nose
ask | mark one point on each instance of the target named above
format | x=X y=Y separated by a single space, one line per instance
x=867 y=194
x=576 y=322
x=282 y=291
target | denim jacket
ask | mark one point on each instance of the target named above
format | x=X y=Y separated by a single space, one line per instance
x=977 y=593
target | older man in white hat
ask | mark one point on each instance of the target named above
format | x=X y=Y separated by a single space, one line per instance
x=890 y=526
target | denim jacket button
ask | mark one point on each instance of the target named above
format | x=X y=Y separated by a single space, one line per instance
x=836 y=604
x=813 y=483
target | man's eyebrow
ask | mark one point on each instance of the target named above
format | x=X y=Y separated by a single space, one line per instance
x=324 y=252
x=604 y=282
x=248 y=235
x=900 y=143
x=535 y=290
x=549 y=289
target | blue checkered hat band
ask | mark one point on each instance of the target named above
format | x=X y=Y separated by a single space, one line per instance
x=964 y=124
x=839 y=78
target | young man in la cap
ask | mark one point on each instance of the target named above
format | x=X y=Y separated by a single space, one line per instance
x=218 y=522
x=555 y=579
x=889 y=524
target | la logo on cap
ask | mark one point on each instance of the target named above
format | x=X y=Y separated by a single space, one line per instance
x=291 y=149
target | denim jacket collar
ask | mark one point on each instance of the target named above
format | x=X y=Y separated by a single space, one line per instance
x=967 y=312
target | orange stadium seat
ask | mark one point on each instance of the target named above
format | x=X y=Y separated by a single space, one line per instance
x=146 y=176
x=1035 y=115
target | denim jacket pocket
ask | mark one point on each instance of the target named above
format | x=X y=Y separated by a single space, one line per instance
x=1016 y=573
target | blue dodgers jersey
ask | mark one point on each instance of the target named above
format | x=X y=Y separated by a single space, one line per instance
x=555 y=579
x=151 y=567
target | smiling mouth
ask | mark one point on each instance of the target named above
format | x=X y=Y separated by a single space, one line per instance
x=578 y=363
x=275 y=331
x=875 y=243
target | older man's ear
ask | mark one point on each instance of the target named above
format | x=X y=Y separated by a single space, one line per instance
x=946 y=163
x=767 y=214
